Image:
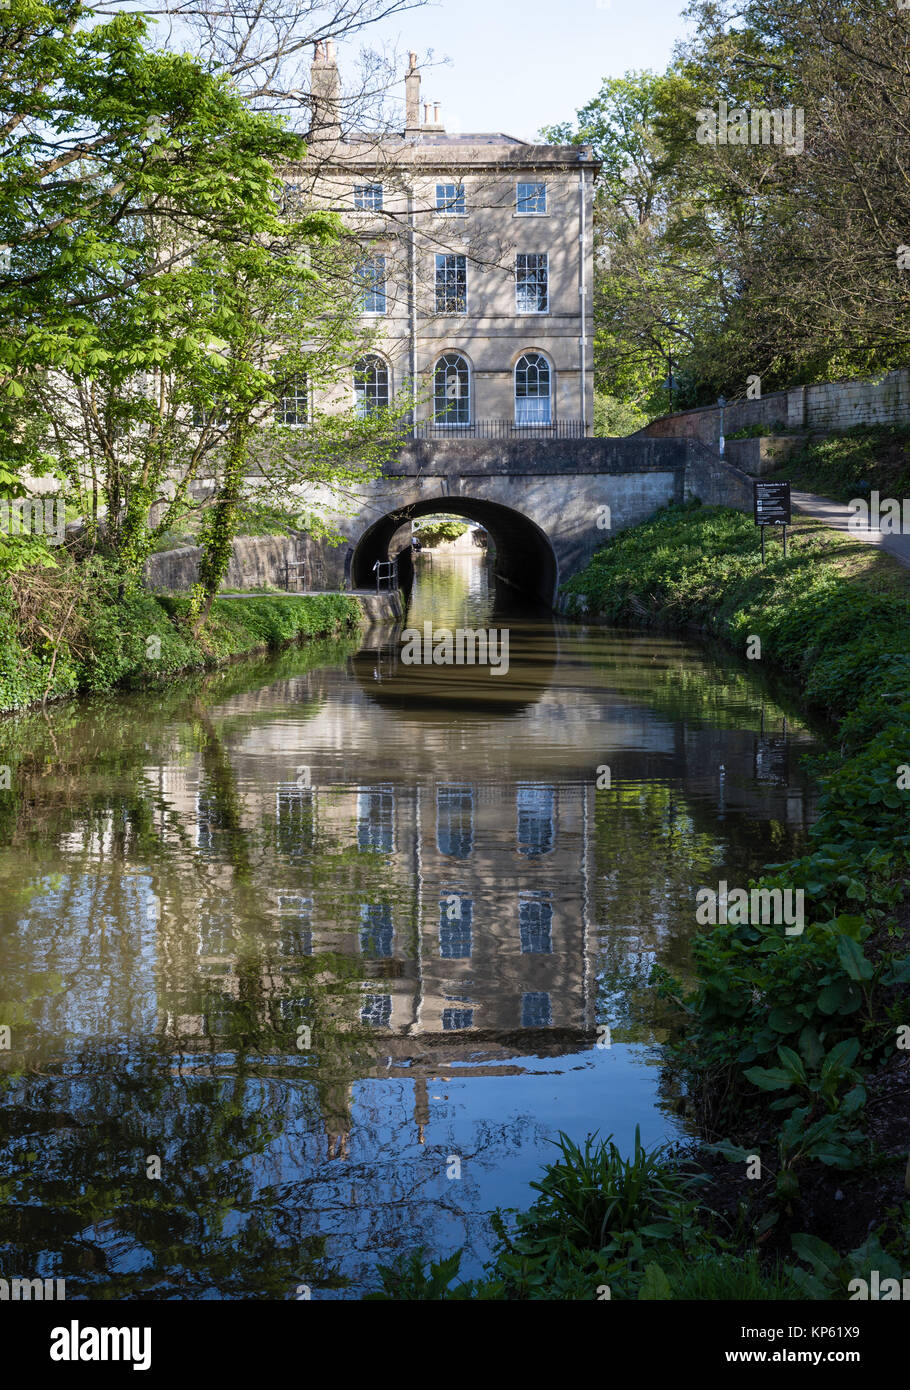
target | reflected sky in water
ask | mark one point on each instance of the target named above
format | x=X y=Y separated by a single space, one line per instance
x=301 y=932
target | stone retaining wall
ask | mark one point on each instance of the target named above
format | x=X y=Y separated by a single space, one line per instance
x=827 y=407
x=257 y=562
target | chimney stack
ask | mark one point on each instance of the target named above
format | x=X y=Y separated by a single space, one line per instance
x=432 y=119
x=325 y=93
x=412 y=96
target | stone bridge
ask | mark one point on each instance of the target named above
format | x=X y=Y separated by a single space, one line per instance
x=547 y=504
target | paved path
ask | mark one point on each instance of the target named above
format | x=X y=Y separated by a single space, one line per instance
x=838 y=514
x=381 y=607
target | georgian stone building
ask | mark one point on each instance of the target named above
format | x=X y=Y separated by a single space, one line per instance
x=476 y=266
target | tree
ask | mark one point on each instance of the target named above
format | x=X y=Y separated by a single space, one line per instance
x=650 y=289
x=164 y=305
x=99 y=138
x=199 y=399
x=744 y=257
x=824 y=280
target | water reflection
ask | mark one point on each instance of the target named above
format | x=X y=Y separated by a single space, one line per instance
x=461 y=591
x=301 y=945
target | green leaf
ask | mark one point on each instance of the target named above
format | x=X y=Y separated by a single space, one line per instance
x=841 y=1057
x=869 y=1256
x=820 y=1256
x=853 y=1101
x=851 y=957
x=783 y=1020
x=793 y=1065
x=841 y=997
x=849 y=924
x=769 y=1078
x=810 y=1045
x=899 y=973
x=833 y=1155
x=810 y=1284
x=655 y=1285
x=733 y=1152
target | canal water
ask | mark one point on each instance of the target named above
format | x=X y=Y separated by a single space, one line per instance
x=308 y=961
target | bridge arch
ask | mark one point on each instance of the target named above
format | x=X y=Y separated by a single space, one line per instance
x=525 y=558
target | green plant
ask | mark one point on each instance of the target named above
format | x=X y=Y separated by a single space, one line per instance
x=781 y=1029
x=593 y=1195
x=408 y=1279
x=829 y=1273
x=433 y=530
x=716 y=1277
x=615 y=418
x=854 y=463
x=815 y=1075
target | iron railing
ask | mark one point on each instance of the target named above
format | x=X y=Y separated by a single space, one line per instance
x=497 y=429
x=386 y=572
x=303 y=575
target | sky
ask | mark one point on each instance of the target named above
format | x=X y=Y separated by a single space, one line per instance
x=516 y=67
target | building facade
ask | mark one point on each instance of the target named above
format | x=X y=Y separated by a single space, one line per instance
x=475 y=267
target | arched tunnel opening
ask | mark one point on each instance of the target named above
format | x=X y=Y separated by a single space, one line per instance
x=524 y=558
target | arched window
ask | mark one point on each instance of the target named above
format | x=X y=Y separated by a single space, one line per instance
x=536 y=819
x=455 y=819
x=293 y=406
x=533 y=391
x=371 y=385
x=377 y=932
x=535 y=924
x=376 y=819
x=456 y=915
x=452 y=391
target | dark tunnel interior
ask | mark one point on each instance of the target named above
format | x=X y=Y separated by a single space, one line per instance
x=524 y=556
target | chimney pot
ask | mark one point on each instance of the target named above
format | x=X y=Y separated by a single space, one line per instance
x=412 y=96
x=325 y=93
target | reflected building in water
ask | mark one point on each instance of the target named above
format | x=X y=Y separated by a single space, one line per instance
x=314 y=919
x=450 y=917
x=453 y=918
x=475 y=919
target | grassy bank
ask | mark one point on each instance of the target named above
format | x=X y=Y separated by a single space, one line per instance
x=118 y=635
x=791 y=1048
x=853 y=464
x=794 y=1026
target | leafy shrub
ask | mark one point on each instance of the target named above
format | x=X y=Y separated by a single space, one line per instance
x=856 y=462
x=847 y=645
x=130 y=637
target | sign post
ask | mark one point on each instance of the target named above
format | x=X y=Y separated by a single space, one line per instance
x=721 y=443
x=771 y=507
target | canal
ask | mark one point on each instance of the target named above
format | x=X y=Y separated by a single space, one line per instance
x=306 y=962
